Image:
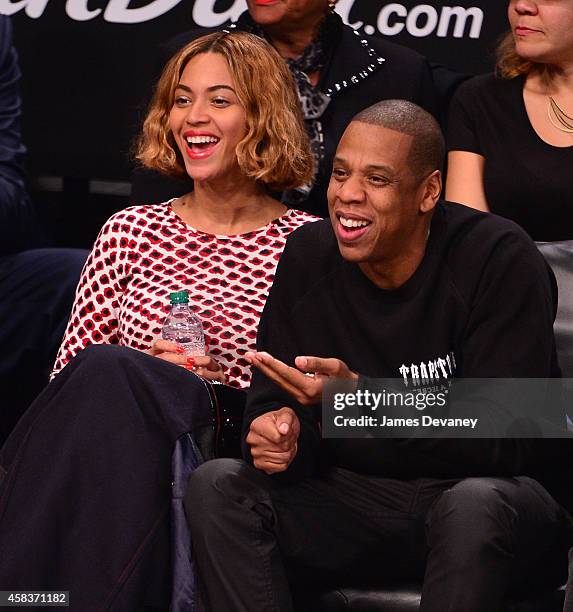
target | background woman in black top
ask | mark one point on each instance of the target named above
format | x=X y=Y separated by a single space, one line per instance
x=510 y=136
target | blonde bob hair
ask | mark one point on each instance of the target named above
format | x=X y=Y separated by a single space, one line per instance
x=509 y=64
x=275 y=149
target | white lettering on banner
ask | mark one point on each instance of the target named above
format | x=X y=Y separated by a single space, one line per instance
x=431 y=15
x=461 y=14
x=421 y=21
x=34 y=8
x=390 y=20
x=118 y=11
x=343 y=8
x=78 y=10
x=384 y=19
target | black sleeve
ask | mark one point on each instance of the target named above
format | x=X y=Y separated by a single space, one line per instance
x=275 y=336
x=413 y=78
x=427 y=95
x=509 y=334
x=18 y=223
x=408 y=76
x=446 y=83
x=510 y=328
x=462 y=132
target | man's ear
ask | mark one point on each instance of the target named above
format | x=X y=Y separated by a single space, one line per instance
x=431 y=190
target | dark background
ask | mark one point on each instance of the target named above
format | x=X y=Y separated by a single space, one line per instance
x=85 y=84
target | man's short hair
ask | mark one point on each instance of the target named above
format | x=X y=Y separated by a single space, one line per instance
x=428 y=146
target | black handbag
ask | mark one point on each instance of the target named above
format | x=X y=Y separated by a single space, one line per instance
x=217 y=431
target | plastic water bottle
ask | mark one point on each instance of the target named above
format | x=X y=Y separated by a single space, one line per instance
x=182 y=326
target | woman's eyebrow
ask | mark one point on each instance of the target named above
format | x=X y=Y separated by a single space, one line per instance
x=212 y=88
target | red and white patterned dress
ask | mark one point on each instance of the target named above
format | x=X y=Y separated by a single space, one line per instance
x=143 y=253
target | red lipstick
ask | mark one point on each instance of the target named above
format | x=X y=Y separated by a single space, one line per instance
x=199 y=150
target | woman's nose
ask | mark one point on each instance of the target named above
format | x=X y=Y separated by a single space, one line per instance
x=197 y=113
x=525 y=7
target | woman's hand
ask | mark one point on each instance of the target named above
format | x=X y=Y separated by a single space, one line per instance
x=202 y=365
x=207 y=367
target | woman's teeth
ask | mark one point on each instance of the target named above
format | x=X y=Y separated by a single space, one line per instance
x=191 y=140
x=352 y=222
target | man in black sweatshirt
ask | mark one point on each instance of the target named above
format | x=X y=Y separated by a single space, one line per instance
x=395 y=285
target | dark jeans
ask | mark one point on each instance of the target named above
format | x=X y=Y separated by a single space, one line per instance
x=473 y=541
x=37 y=290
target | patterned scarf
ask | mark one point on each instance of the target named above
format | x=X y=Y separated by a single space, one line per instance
x=313 y=102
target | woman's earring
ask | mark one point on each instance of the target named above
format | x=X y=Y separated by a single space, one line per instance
x=331 y=5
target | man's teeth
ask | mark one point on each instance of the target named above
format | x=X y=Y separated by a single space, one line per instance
x=352 y=222
x=201 y=139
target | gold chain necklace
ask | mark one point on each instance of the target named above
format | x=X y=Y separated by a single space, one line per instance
x=558 y=117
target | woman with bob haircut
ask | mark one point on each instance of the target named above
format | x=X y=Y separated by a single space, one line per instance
x=274 y=148
x=510 y=136
x=209 y=120
x=93 y=471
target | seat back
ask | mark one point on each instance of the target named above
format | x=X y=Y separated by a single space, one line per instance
x=559 y=255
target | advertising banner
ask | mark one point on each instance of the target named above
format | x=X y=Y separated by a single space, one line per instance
x=89 y=65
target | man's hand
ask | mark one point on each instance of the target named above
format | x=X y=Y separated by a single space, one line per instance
x=305 y=384
x=273 y=440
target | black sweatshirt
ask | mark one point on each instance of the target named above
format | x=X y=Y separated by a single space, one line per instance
x=482 y=297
